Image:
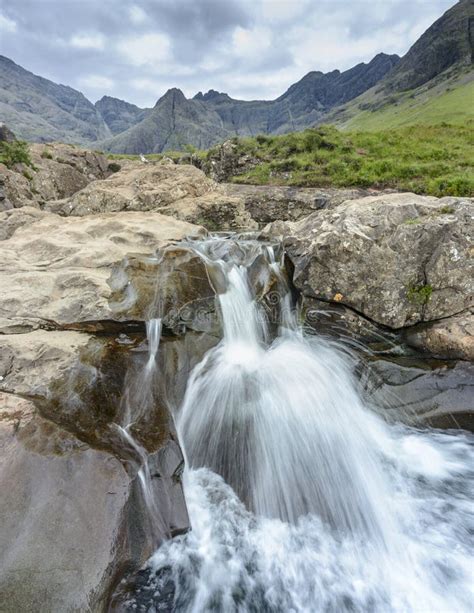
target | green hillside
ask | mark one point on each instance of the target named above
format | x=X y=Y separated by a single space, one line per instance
x=455 y=106
x=436 y=160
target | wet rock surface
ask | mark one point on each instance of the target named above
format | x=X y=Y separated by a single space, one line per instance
x=174 y=286
x=421 y=392
x=62 y=397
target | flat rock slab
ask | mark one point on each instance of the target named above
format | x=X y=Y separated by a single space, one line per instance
x=182 y=191
x=54 y=271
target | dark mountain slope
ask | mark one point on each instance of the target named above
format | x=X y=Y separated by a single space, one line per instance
x=209 y=118
x=39 y=110
x=449 y=41
x=118 y=114
x=172 y=124
x=433 y=83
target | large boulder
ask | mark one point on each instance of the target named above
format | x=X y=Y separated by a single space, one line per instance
x=75 y=511
x=452 y=337
x=56 y=171
x=398 y=259
x=71 y=372
x=55 y=271
x=182 y=191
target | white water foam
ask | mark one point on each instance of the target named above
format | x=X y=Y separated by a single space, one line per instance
x=330 y=509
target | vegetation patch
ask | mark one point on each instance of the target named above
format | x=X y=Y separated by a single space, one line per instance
x=114 y=167
x=446 y=210
x=419 y=294
x=46 y=155
x=15 y=152
x=435 y=160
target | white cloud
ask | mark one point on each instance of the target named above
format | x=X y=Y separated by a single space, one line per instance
x=282 y=10
x=148 y=49
x=94 y=81
x=88 y=41
x=7 y=24
x=137 y=15
x=251 y=43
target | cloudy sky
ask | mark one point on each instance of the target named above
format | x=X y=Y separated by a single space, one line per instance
x=137 y=49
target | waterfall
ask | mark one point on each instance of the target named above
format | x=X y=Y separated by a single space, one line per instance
x=282 y=423
x=138 y=399
x=300 y=497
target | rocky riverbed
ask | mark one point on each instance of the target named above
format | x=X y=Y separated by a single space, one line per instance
x=85 y=246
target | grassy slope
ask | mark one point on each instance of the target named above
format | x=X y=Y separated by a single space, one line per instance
x=455 y=106
x=437 y=160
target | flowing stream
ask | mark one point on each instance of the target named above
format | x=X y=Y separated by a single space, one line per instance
x=300 y=497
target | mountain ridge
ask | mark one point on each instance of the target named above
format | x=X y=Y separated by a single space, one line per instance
x=440 y=60
x=208 y=118
x=39 y=109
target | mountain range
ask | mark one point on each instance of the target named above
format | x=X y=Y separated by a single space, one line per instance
x=435 y=74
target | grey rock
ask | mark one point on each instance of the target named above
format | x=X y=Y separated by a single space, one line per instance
x=398 y=259
x=452 y=337
x=268 y=203
x=75 y=512
x=417 y=392
x=54 y=270
x=181 y=191
x=57 y=171
x=6 y=135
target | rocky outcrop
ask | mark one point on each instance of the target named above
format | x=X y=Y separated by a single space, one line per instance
x=56 y=270
x=75 y=512
x=175 y=286
x=397 y=259
x=266 y=203
x=225 y=161
x=181 y=191
x=6 y=135
x=70 y=370
x=56 y=171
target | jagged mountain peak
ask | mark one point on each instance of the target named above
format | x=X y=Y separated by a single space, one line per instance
x=212 y=96
x=174 y=95
x=449 y=41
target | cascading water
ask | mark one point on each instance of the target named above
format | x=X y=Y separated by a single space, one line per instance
x=137 y=401
x=300 y=497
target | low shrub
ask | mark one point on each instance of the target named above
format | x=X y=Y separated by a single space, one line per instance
x=113 y=167
x=15 y=152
